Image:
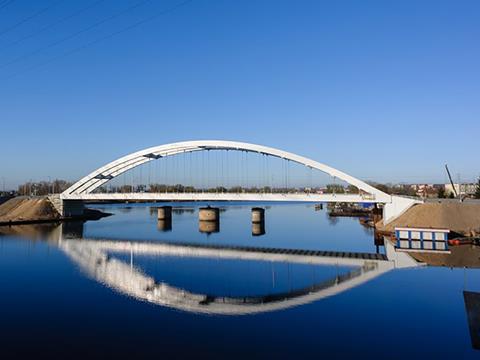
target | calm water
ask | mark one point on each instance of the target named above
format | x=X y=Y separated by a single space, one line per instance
x=123 y=286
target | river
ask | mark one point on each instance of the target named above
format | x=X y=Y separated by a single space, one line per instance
x=129 y=286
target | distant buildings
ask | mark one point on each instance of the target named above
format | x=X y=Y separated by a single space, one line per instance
x=426 y=190
x=460 y=189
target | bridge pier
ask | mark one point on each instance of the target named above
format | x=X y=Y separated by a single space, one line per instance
x=67 y=208
x=73 y=208
x=208 y=214
x=209 y=220
x=258 y=221
x=258 y=215
x=164 y=213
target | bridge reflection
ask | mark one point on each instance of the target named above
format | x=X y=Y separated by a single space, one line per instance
x=96 y=258
x=93 y=257
x=104 y=261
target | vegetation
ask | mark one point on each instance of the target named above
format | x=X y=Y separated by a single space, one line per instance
x=43 y=187
x=335 y=189
x=399 y=189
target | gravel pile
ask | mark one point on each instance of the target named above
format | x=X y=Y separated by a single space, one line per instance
x=462 y=218
x=28 y=209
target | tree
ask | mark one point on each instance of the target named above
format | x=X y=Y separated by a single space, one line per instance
x=477 y=190
x=352 y=189
x=335 y=189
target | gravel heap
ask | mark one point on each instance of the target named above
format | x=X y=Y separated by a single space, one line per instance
x=461 y=218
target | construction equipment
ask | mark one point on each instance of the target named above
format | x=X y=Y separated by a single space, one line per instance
x=451 y=181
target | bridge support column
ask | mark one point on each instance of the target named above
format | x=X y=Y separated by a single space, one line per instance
x=258 y=221
x=73 y=208
x=164 y=212
x=258 y=215
x=209 y=220
x=208 y=214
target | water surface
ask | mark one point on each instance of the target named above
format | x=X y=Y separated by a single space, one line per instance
x=90 y=290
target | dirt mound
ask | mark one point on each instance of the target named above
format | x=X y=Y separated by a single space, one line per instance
x=28 y=209
x=462 y=218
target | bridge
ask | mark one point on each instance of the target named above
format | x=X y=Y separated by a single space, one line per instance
x=89 y=188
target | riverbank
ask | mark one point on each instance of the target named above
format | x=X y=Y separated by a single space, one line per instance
x=460 y=218
x=34 y=210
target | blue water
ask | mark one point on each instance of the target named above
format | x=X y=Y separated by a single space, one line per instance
x=50 y=305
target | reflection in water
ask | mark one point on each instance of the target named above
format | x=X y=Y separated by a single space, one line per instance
x=164 y=224
x=472 y=306
x=332 y=220
x=258 y=228
x=209 y=226
x=49 y=231
x=139 y=278
x=175 y=210
x=93 y=256
x=103 y=260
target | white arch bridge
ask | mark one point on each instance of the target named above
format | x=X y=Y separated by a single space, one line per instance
x=86 y=189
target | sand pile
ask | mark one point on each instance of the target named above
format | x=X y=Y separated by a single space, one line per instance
x=28 y=209
x=462 y=218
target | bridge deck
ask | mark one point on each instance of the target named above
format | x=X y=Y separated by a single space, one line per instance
x=301 y=197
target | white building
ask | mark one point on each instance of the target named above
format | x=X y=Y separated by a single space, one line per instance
x=461 y=189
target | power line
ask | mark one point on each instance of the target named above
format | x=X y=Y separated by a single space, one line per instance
x=6 y=3
x=34 y=15
x=75 y=34
x=106 y=37
x=48 y=27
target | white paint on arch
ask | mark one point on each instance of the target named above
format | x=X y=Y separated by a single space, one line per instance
x=113 y=169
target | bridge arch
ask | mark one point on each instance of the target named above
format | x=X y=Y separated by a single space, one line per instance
x=117 y=167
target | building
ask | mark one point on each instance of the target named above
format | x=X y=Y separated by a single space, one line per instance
x=424 y=190
x=461 y=189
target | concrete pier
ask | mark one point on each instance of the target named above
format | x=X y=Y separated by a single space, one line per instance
x=258 y=215
x=164 y=213
x=258 y=221
x=209 y=220
x=208 y=214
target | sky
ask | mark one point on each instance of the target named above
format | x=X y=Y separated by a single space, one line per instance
x=384 y=90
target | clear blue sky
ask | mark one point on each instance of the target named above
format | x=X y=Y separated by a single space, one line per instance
x=384 y=90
